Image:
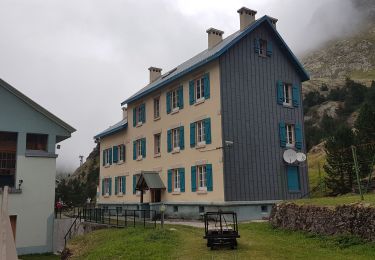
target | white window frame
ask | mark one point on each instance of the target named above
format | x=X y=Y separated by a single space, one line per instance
x=119 y=185
x=287 y=94
x=200 y=133
x=139 y=149
x=121 y=153
x=106 y=157
x=176 y=180
x=202 y=177
x=106 y=186
x=262 y=47
x=175 y=138
x=157 y=107
x=157 y=144
x=290 y=135
x=174 y=100
x=199 y=89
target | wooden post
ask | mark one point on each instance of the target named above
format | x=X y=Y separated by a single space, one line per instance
x=357 y=170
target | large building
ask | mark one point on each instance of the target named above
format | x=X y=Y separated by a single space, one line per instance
x=28 y=138
x=211 y=132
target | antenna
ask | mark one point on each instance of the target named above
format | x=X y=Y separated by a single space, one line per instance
x=290 y=156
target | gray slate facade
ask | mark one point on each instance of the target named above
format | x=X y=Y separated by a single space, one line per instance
x=253 y=165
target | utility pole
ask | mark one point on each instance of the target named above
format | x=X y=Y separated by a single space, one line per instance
x=80 y=160
x=354 y=151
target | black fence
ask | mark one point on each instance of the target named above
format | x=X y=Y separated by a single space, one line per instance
x=120 y=218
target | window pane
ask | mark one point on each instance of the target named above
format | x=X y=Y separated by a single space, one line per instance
x=36 y=142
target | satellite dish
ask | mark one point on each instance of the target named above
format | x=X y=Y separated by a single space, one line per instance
x=301 y=157
x=290 y=156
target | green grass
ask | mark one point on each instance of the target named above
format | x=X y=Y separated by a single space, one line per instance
x=364 y=75
x=339 y=200
x=314 y=160
x=258 y=241
x=39 y=257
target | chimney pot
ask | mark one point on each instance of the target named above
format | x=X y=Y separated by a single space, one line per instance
x=214 y=37
x=273 y=20
x=155 y=73
x=247 y=16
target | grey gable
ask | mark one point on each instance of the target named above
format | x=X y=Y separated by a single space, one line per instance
x=36 y=107
x=210 y=54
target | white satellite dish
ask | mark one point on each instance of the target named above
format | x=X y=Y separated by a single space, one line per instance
x=301 y=157
x=290 y=156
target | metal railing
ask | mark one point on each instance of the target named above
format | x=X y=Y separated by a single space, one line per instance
x=74 y=224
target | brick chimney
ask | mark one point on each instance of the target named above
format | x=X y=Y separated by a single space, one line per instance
x=214 y=37
x=247 y=16
x=155 y=73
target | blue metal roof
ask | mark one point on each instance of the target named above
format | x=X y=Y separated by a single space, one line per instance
x=210 y=54
x=123 y=124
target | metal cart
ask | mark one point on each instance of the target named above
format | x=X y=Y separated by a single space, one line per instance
x=221 y=229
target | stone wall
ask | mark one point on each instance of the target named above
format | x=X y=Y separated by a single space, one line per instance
x=353 y=219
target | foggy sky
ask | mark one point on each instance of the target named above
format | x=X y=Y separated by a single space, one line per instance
x=80 y=59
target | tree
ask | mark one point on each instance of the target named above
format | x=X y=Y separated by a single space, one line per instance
x=339 y=168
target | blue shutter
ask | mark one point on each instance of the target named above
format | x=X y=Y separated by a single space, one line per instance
x=143 y=140
x=115 y=154
x=103 y=157
x=123 y=186
x=192 y=134
x=209 y=177
x=103 y=187
x=134 y=117
x=123 y=152
x=298 y=136
x=207 y=129
x=193 y=178
x=256 y=45
x=182 y=138
x=269 y=48
x=206 y=79
x=180 y=94
x=110 y=186
x=134 y=183
x=191 y=92
x=110 y=155
x=134 y=150
x=143 y=109
x=295 y=95
x=169 y=140
x=293 y=178
x=168 y=102
x=169 y=180
x=282 y=133
x=116 y=185
x=280 y=92
x=181 y=171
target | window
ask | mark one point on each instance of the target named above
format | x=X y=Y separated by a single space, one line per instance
x=199 y=89
x=264 y=208
x=262 y=48
x=176 y=138
x=107 y=186
x=107 y=157
x=121 y=153
x=290 y=137
x=176 y=180
x=293 y=178
x=139 y=148
x=156 y=107
x=157 y=138
x=201 y=209
x=287 y=94
x=120 y=185
x=175 y=208
x=202 y=181
x=8 y=150
x=36 y=142
x=200 y=132
x=139 y=115
x=174 y=99
x=119 y=210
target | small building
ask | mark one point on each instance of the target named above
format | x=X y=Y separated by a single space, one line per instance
x=28 y=138
x=212 y=130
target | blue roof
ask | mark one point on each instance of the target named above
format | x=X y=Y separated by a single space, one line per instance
x=210 y=54
x=123 y=124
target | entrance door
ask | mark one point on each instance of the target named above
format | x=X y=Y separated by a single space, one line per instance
x=156 y=195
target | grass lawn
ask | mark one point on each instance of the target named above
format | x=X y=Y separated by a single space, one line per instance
x=258 y=241
x=339 y=200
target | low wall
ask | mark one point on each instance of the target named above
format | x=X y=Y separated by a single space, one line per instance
x=353 y=219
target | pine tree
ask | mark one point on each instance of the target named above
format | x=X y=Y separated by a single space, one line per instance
x=339 y=168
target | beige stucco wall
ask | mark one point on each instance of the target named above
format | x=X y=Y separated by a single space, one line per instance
x=186 y=158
